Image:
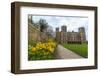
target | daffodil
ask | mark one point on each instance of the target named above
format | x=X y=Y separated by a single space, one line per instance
x=33 y=49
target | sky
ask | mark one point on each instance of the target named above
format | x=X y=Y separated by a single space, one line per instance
x=72 y=22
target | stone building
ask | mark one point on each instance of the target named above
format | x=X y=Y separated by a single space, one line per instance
x=70 y=37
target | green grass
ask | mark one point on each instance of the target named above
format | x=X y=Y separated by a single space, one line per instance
x=81 y=49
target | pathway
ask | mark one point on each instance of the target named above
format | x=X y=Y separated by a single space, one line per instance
x=63 y=53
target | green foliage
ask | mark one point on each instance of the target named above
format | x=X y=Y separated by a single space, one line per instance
x=32 y=42
x=81 y=49
x=41 y=51
x=40 y=55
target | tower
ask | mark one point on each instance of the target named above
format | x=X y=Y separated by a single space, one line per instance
x=57 y=29
x=57 y=35
x=64 y=28
x=82 y=34
x=64 y=34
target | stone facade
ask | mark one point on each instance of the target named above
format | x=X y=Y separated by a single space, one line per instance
x=70 y=37
x=34 y=33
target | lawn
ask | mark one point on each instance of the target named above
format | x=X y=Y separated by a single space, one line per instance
x=81 y=49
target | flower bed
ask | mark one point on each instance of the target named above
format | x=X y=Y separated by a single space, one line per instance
x=42 y=51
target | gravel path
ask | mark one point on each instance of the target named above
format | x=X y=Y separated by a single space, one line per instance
x=63 y=53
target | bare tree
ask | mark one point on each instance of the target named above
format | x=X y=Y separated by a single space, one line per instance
x=49 y=31
x=43 y=25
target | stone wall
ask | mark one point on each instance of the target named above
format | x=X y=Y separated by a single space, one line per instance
x=34 y=34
